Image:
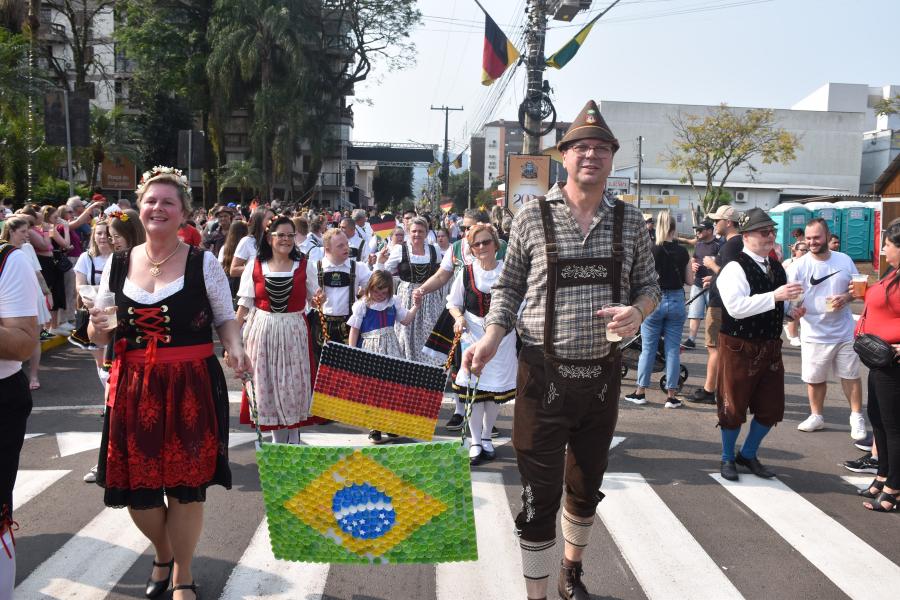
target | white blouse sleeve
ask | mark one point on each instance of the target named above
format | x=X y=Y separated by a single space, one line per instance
x=456 y=297
x=217 y=288
x=390 y=265
x=246 y=291
x=402 y=311
x=359 y=312
x=104 y=279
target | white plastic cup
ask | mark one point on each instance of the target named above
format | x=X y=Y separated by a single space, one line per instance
x=611 y=310
x=106 y=301
x=88 y=293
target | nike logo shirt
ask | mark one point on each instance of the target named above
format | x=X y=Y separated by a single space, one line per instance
x=820 y=279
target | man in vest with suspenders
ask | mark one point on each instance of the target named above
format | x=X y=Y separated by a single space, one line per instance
x=19 y=332
x=339 y=277
x=751 y=373
x=359 y=248
x=569 y=254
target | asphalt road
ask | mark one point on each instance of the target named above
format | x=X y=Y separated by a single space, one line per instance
x=668 y=528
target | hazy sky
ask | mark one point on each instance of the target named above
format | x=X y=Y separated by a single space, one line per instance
x=766 y=53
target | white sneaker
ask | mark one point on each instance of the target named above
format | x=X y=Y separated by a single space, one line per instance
x=795 y=342
x=636 y=398
x=812 y=423
x=91 y=476
x=857 y=426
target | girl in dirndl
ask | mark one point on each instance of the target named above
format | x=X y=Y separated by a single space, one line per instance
x=468 y=302
x=272 y=298
x=372 y=323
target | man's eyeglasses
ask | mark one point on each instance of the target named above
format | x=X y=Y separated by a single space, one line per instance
x=583 y=149
x=766 y=232
x=481 y=243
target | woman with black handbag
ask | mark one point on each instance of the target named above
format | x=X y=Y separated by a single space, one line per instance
x=881 y=315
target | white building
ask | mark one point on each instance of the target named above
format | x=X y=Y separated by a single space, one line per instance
x=828 y=161
x=881 y=137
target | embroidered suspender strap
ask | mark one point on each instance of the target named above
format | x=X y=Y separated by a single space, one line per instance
x=320 y=276
x=552 y=274
x=351 y=291
x=618 y=250
x=359 y=250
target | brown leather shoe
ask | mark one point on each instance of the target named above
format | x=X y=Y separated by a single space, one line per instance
x=570 y=586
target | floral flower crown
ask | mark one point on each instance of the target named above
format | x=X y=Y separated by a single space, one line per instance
x=159 y=171
x=118 y=214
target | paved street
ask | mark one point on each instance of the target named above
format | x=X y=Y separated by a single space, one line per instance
x=669 y=527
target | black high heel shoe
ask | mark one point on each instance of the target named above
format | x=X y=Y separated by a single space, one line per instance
x=157 y=588
x=188 y=586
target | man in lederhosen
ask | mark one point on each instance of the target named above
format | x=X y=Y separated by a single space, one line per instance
x=359 y=247
x=569 y=254
x=751 y=373
x=339 y=277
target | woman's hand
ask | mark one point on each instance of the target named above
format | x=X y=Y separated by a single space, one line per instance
x=383 y=255
x=417 y=296
x=238 y=361
x=459 y=325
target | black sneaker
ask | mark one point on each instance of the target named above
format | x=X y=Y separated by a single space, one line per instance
x=495 y=433
x=46 y=335
x=701 y=396
x=375 y=437
x=455 y=423
x=864 y=464
x=673 y=403
x=689 y=343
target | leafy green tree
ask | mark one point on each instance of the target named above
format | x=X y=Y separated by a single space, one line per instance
x=888 y=106
x=392 y=185
x=79 y=36
x=243 y=175
x=54 y=191
x=707 y=149
x=459 y=189
x=157 y=125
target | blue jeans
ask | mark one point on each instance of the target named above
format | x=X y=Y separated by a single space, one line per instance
x=668 y=319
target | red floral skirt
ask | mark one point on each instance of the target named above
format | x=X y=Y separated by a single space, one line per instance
x=166 y=436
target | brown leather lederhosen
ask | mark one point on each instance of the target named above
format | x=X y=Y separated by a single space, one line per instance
x=566 y=409
x=338 y=331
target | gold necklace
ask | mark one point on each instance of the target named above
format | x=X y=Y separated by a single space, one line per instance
x=154 y=270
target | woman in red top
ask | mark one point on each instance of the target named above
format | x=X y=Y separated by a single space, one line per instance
x=882 y=318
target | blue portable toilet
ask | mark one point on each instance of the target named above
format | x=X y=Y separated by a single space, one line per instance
x=856 y=229
x=788 y=216
x=827 y=211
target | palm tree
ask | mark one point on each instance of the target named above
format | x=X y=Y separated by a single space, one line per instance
x=112 y=134
x=243 y=175
x=256 y=57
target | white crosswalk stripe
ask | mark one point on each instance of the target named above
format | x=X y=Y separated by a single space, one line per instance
x=88 y=566
x=30 y=483
x=498 y=572
x=259 y=574
x=73 y=442
x=815 y=535
x=664 y=557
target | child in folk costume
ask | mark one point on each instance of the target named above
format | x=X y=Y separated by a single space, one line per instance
x=468 y=302
x=272 y=298
x=372 y=322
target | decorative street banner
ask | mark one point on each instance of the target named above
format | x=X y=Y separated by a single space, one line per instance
x=527 y=177
x=404 y=503
x=370 y=390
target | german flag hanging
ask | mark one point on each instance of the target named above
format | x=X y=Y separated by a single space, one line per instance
x=499 y=53
x=370 y=390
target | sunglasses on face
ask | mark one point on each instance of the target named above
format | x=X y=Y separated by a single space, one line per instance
x=766 y=232
x=481 y=243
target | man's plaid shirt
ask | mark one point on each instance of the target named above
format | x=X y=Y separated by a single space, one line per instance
x=578 y=331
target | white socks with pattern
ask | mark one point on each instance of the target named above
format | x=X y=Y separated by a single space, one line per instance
x=576 y=530
x=538 y=558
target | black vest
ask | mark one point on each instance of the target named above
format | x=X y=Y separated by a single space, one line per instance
x=764 y=326
x=476 y=302
x=418 y=272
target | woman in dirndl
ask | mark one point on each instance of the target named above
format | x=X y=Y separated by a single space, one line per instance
x=272 y=298
x=468 y=302
x=414 y=262
x=165 y=431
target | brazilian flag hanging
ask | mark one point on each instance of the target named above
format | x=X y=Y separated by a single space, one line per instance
x=404 y=503
x=562 y=56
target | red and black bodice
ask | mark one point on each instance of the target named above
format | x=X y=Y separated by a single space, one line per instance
x=475 y=301
x=280 y=294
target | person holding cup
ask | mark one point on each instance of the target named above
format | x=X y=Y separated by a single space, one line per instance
x=569 y=253
x=754 y=290
x=165 y=431
x=826 y=330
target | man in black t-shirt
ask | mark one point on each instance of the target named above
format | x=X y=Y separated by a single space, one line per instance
x=705 y=244
x=725 y=218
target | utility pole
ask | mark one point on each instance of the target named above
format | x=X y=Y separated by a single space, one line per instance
x=640 y=159
x=537 y=30
x=445 y=165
